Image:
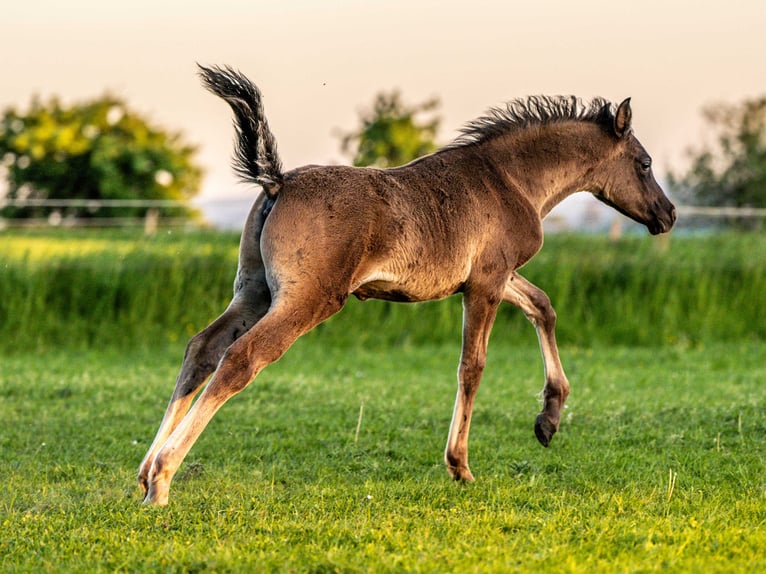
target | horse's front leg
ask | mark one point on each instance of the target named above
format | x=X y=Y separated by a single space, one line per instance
x=537 y=307
x=479 y=310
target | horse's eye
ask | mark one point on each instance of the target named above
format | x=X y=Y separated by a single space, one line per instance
x=646 y=165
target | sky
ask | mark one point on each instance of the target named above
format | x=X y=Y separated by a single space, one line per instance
x=319 y=63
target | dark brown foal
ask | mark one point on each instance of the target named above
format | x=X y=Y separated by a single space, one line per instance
x=461 y=220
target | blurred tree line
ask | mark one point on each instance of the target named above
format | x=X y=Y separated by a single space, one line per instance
x=730 y=172
x=100 y=149
x=95 y=150
x=392 y=133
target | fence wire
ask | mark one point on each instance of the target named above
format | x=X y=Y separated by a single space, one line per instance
x=690 y=216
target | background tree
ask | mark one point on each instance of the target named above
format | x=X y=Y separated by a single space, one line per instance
x=93 y=150
x=731 y=173
x=392 y=133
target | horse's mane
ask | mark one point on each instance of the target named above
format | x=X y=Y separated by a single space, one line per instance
x=523 y=113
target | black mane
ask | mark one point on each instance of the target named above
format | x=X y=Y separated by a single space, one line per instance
x=532 y=111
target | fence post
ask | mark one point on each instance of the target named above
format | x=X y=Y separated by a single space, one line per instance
x=151 y=221
x=615 y=229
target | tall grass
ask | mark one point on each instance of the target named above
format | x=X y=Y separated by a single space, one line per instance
x=96 y=288
x=119 y=288
x=332 y=460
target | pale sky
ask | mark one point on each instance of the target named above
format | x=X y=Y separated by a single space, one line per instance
x=319 y=63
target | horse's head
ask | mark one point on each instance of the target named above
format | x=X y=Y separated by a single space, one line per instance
x=629 y=186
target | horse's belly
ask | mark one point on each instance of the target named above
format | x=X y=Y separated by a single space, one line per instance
x=422 y=289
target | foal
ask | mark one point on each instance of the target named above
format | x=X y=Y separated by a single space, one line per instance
x=461 y=220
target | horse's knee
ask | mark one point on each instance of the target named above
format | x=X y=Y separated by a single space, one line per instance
x=235 y=371
x=197 y=366
x=205 y=349
x=198 y=349
x=544 y=313
x=549 y=313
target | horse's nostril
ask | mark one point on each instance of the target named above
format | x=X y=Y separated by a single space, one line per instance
x=673 y=215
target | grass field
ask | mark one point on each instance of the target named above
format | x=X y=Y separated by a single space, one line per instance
x=119 y=288
x=659 y=465
x=331 y=460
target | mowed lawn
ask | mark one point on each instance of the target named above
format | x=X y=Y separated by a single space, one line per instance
x=331 y=461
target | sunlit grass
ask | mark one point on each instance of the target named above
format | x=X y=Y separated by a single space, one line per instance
x=73 y=244
x=120 y=287
x=659 y=464
x=331 y=460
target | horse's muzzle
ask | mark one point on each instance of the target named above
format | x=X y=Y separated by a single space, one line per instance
x=664 y=218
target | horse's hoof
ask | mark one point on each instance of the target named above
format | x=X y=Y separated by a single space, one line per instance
x=156 y=497
x=148 y=502
x=544 y=430
x=143 y=484
x=461 y=474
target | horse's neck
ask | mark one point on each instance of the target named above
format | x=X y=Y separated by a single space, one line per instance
x=547 y=164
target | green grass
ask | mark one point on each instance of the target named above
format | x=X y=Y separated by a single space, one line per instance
x=114 y=287
x=122 y=288
x=659 y=464
x=331 y=460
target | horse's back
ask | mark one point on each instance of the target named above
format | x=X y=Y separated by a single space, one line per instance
x=412 y=233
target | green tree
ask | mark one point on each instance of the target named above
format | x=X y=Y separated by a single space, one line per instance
x=392 y=133
x=732 y=172
x=94 y=150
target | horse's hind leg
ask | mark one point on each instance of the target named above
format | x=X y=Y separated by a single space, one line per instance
x=537 y=307
x=203 y=353
x=242 y=361
x=251 y=301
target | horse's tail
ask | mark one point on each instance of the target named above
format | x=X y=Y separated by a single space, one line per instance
x=255 y=157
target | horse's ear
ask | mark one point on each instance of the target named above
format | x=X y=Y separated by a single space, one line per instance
x=622 y=118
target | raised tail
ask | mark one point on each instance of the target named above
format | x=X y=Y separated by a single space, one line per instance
x=255 y=156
